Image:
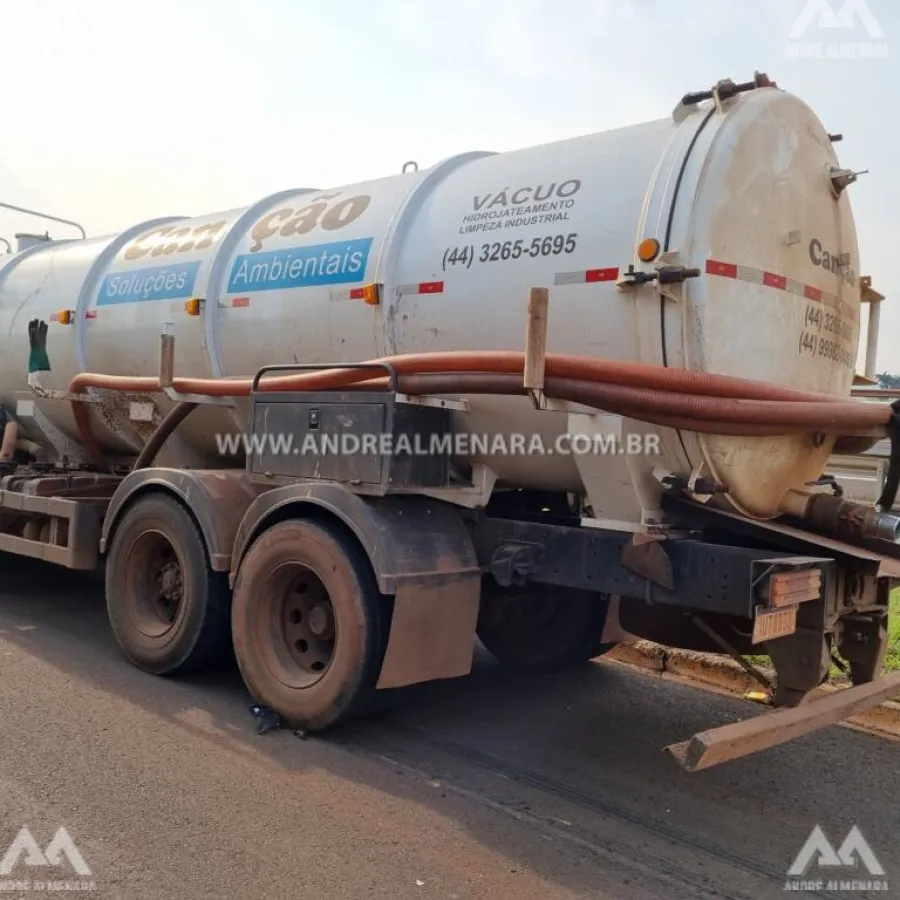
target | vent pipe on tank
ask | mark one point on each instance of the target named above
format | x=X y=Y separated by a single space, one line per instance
x=24 y=241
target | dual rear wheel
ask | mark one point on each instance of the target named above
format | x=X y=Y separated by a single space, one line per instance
x=306 y=621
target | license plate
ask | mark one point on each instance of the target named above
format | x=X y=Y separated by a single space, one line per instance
x=774 y=623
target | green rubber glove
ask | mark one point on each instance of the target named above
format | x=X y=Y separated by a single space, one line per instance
x=38 y=361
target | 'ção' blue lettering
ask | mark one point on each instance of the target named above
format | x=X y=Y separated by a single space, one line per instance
x=154 y=283
x=340 y=263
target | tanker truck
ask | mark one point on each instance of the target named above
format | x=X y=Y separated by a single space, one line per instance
x=550 y=400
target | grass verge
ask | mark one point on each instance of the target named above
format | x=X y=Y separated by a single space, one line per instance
x=893 y=657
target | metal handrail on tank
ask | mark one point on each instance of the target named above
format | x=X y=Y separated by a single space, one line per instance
x=40 y=215
x=8 y=245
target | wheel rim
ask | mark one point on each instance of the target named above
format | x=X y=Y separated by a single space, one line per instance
x=296 y=625
x=154 y=584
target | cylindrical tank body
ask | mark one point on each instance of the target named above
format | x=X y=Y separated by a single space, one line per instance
x=743 y=193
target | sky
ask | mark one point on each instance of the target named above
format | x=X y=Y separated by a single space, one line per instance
x=112 y=113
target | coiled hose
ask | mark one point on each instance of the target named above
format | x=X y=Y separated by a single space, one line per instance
x=674 y=398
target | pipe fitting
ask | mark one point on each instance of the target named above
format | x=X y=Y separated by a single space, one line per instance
x=850 y=520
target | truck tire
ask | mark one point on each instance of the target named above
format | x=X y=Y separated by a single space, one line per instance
x=307 y=624
x=168 y=610
x=541 y=629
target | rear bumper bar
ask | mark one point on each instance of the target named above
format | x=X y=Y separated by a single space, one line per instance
x=720 y=745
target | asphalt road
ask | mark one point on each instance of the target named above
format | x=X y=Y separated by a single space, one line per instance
x=490 y=787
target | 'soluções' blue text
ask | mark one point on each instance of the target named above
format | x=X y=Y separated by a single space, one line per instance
x=155 y=283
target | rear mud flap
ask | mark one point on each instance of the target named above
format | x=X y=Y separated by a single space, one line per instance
x=432 y=631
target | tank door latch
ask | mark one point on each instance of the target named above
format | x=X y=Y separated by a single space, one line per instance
x=663 y=275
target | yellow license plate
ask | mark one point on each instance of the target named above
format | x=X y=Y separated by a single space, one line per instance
x=774 y=623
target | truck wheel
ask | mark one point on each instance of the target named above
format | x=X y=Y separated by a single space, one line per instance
x=167 y=608
x=541 y=629
x=306 y=622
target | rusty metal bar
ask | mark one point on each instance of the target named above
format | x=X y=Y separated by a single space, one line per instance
x=712 y=748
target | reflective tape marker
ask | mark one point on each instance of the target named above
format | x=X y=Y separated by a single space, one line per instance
x=356 y=293
x=342 y=293
x=423 y=287
x=588 y=276
x=781 y=283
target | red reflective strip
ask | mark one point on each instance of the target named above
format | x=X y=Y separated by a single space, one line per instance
x=773 y=280
x=91 y=314
x=431 y=287
x=812 y=293
x=593 y=275
x=356 y=294
x=714 y=267
x=240 y=302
